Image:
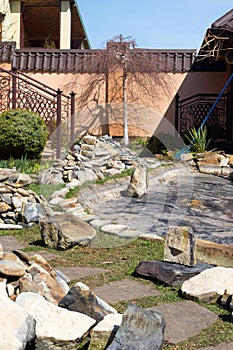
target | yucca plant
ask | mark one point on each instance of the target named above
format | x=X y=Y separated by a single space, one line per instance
x=198 y=142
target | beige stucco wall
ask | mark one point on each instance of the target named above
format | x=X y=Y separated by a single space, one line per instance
x=197 y=83
x=148 y=100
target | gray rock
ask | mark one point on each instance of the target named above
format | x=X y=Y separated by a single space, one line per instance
x=86 y=175
x=140 y=329
x=50 y=176
x=33 y=212
x=83 y=301
x=138 y=183
x=65 y=231
x=169 y=273
x=180 y=246
x=24 y=179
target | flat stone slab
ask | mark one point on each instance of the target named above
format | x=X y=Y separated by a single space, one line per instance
x=114 y=228
x=10 y=227
x=10 y=243
x=125 y=289
x=222 y=346
x=77 y=272
x=184 y=319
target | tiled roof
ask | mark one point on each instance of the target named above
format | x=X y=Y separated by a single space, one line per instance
x=226 y=21
x=94 y=61
x=6 y=51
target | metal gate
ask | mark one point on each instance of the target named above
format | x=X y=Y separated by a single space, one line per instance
x=191 y=111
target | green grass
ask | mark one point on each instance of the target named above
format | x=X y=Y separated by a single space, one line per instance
x=45 y=190
x=24 y=165
x=73 y=192
x=120 y=262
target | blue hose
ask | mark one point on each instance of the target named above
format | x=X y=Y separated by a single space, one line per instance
x=187 y=149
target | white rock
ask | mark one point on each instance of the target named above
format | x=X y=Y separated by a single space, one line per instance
x=53 y=321
x=10 y=227
x=109 y=323
x=114 y=228
x=209 y=284
x=16 y=325
x=60 y=193
x=105 y=305
x=55 y=200
x=82 y=286
x=35 y=268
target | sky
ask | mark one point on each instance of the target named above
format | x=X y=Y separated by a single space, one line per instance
x=154 y=24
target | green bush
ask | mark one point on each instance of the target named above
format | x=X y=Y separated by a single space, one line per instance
x=22 y=134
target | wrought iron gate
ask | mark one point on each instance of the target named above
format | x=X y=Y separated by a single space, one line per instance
x=191 y=111
x=18 y=90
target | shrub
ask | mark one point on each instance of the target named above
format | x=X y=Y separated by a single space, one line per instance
x=22 y=134
x=198 y=140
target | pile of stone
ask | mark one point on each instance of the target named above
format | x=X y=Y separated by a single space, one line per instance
x=198 y=281
x=19 y=207
x=39 y=310
x=214 y=163
x=95 y=159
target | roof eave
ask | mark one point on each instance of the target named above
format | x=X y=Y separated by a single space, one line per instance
x=86 y=40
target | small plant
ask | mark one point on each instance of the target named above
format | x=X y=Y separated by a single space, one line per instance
x=23 y=133
x=197 y=139
x=23 y=165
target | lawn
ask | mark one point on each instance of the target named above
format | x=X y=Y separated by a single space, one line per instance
x=120 y=261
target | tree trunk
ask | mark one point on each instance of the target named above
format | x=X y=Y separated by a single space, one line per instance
x=125 y=116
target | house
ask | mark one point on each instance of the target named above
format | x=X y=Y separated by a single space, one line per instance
x=179 y=86
x=43 y=23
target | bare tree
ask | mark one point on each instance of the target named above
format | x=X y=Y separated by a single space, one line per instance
x=217 y=45
x=118 y=68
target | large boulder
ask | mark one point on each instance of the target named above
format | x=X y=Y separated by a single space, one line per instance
x=138 y=183
x=53 y=323
x=209 y=285
x=180 y=246
x=17 y=326
x=169 y=273
x=65 y=231
x=140 y=329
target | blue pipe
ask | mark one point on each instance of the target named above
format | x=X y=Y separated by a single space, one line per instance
x=187 y=149
x=218 y=98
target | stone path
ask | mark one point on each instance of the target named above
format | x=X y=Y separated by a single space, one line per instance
x=77 y=272
x=10 y=243
x=124 y=290
x=184 y=319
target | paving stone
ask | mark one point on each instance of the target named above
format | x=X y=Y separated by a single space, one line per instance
x=46 y=255
x=10 y=243
x=184 y=319
x=222 y=346
x=125 y=289
x=77 y=272
x=114 y=228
